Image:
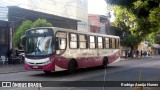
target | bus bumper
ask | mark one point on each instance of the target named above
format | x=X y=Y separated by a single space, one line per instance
x=48 y=67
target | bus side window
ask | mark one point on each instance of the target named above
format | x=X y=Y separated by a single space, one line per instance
x=107 y=43
x=113 y=43
x=110 y=43
x=100 y=42
x=73 y=41
x=61 y=42
x=117 y=43
x=82 y=41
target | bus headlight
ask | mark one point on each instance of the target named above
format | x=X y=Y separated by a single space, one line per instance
x=27 y=62
x=47 y=62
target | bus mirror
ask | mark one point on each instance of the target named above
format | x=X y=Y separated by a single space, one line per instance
x=57 y=43
x=60 y=41
x=23 y=41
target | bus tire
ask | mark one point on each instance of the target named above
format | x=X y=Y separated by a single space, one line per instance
x=47 y=72
x=71 y=67
x=105 y=62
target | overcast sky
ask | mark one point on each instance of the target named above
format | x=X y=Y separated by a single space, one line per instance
x=97 y=7
x=94 y=6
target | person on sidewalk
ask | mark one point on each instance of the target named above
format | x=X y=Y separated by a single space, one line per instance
x=126 y=54
x=9 y=53
x=137 y=53
x=145 y=53
x=141 y=53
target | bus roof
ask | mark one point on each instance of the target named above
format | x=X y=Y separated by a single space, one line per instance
x=75 y=31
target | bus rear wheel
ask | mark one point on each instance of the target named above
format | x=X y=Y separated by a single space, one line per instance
x=71 y=67
x=105 y=62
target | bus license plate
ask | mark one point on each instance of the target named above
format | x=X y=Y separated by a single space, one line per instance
x=35 y=66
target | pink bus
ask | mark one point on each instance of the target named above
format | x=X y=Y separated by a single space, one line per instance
x=56 y=49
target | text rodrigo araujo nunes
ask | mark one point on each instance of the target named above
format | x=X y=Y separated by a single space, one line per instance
x=148 y=84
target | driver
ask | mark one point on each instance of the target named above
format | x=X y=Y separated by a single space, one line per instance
x=47 y=47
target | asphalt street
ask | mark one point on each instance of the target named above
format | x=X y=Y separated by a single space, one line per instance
x=145 y=69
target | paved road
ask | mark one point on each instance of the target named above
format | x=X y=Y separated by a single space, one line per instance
x=126 y=70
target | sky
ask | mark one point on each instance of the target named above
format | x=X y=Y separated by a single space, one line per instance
x=97 y=7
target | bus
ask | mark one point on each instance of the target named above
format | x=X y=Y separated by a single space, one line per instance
x=56 y=49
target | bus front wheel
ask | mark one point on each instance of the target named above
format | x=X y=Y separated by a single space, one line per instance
x=71 y=67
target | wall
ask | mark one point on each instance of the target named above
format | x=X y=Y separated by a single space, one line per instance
x=95 y=24
x=4 y=40
x=74 y=9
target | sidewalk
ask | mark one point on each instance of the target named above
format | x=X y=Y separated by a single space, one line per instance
x=131 y=58
x=11 y=68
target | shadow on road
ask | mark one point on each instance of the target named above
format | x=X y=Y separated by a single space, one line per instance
x=78 y=71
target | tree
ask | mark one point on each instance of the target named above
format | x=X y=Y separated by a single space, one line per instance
x=27 y=24
x=126 y=21
x=41 y=23
x=153 y=38
x=139 y=17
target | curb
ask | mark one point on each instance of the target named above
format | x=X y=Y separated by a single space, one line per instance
x=134 y=58
x=13 y=72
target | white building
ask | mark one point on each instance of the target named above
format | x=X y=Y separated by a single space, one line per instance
x=73 y=9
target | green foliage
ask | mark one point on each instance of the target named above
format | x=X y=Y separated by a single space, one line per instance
x=139 y=17
x=125 y=20
x=27 y=24
x=154 y=38
x=141 y=8
x=154 y=18
x=20 y=32
x=130 y=40
x=125 y=3
x=41 y=23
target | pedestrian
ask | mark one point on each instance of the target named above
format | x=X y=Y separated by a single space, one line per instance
x=141 y=53
x=145 y=53
x=9 y=53
x=129 y=54
x=126 y=54
x=137 y=53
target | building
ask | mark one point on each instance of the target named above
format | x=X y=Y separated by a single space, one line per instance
x=71 y=14
x=4 y=37
x=98 y=23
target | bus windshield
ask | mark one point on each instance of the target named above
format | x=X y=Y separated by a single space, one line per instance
x=39 y=45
